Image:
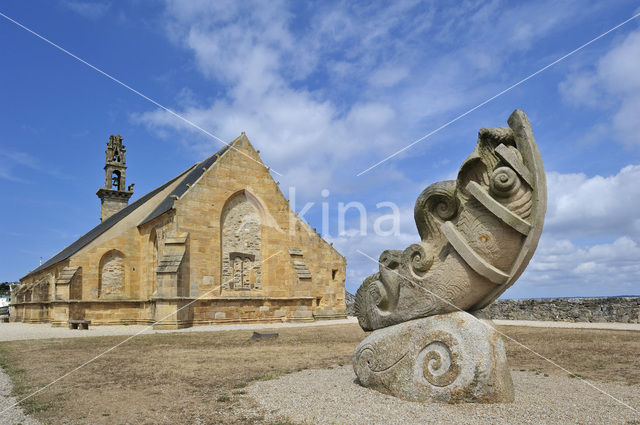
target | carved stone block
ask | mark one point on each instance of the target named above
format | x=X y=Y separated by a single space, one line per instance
x=446 y=358
x=477 y=233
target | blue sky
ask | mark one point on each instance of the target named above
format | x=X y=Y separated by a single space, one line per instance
x=326 y=90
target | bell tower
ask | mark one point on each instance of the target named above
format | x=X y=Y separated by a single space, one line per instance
x=113 y=195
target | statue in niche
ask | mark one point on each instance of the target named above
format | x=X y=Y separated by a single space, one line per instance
x=246 y=272
x=237 y=272
x=242 y=270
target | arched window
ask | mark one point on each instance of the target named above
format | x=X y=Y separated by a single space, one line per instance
x=112 y=275
x=241 y=243
x=115 y=180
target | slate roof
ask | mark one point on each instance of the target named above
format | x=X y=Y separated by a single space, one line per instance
x=194 y=173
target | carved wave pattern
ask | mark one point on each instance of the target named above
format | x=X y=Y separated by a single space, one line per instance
x=449 y=284
x=479 y=234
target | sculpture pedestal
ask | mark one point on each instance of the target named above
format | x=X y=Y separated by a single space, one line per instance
x=445 y=358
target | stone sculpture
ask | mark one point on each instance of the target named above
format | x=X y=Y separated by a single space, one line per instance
x=478 y=234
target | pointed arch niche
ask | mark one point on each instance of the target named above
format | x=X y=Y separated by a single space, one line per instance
x=112 y=275
x=241 y=242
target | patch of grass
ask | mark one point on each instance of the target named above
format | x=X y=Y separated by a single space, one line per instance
x=223 y=399
x=586 y=352
x=241 y=392
x=269 y=376
x=33 y=405
x=577 y=375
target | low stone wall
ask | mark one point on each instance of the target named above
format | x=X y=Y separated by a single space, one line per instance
x=612 y=309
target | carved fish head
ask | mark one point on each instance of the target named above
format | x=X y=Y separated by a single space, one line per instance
x=477 y=233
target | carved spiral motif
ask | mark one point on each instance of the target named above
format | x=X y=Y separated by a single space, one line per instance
x=365 y=361
x=445 y=207
x=438 y=364
x=504 y=182
x=419 y=258
x=366 y=357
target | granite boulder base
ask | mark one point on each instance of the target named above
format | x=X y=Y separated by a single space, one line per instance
x=445 y=358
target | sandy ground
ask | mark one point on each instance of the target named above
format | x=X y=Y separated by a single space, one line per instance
x=575 y=325
x=210 y=373
x=18 y=331
x=332 y=396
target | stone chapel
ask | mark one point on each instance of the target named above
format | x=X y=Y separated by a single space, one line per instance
x=216 y=244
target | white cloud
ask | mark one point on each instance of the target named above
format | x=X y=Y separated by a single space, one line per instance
x=274 y=64
x=12 y=161
x=91 y=10
x=598 y=206
x=590 y=244
x=562 y=268
x=388 y=76
x=612 y=84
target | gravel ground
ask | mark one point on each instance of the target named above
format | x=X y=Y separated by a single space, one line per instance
x=332 y=396
x=576 y=325
x=16 y=330
x=11 y=415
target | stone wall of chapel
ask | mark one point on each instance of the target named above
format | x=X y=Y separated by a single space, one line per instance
x=200 y=212
x=131 y=244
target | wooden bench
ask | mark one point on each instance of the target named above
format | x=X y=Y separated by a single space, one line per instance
x=79 y=324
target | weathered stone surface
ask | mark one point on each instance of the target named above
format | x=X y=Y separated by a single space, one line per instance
x=446 y=358
x=112 y=276
x=477 y=233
